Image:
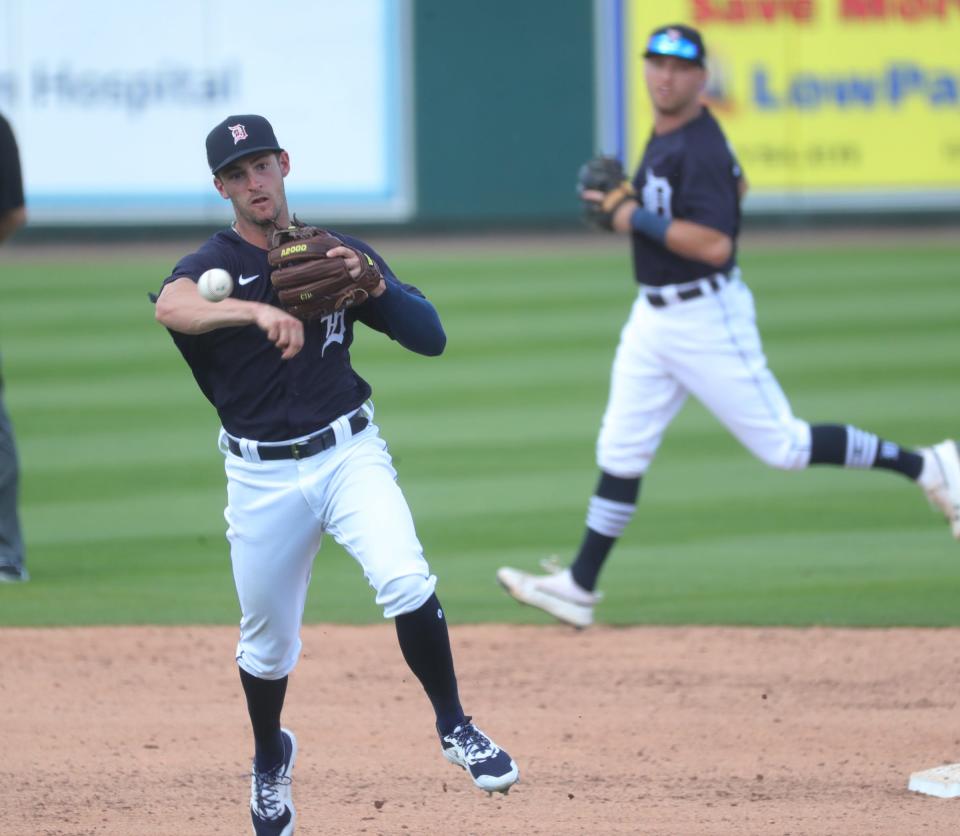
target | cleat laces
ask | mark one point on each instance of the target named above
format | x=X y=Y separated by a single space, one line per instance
x=268 y=804
x=475 y=745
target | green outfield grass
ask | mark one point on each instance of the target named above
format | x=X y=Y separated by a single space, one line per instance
x=123 y=488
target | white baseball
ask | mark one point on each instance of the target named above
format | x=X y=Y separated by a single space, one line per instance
x=215 y=284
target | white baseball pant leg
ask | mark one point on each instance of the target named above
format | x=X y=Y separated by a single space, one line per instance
x=708 y=347
x=276 y=515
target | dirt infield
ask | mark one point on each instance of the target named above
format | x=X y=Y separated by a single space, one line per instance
x=142 y=732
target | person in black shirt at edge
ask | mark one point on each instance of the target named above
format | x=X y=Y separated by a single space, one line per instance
x=303 y=457
x=13 y=215
x=692 y=331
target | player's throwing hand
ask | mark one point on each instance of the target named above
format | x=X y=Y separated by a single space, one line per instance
x=282 y=329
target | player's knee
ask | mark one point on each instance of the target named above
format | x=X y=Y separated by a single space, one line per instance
x=790 y=450
x=405 y=594
x=624 y=460
x=269 y=659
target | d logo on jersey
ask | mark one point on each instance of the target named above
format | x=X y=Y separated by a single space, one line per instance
x=657 y=194
x=336 y=329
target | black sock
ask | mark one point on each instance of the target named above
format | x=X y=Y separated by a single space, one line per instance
x=617 y=499
x=848 y=446
x=264 y=704
x=425 y=644
x=594 y=550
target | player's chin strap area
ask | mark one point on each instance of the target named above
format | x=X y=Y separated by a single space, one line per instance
x=671 y=294
x=336 y=432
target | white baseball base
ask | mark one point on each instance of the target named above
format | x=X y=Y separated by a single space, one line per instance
x=941 y=781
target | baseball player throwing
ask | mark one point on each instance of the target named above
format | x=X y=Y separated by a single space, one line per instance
x=302 y=454
x=692 y=331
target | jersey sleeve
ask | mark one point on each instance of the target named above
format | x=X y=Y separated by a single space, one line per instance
x=368 y=314
x=403 y=313
x=364 y=247
x=212 y=253
x=708 y=192
x=194 y=265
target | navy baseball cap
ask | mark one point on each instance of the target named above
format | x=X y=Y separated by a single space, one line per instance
x=237 y=136
x=679 y=41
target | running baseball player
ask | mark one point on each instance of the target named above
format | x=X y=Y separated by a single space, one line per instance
x=692 y=331
x=302 y=454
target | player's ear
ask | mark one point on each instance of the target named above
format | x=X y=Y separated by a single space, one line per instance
x=284 y=159
x=218 y=185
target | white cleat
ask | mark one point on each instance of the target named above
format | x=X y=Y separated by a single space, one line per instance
x=940 y=480
x=556 y=593
x=271 y=804
x=491 y=769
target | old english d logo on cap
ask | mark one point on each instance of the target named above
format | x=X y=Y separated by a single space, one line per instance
x=236 y=137
x=239 y=132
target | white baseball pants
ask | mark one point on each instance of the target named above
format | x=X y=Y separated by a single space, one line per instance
x=708 y=347
x=276 y=515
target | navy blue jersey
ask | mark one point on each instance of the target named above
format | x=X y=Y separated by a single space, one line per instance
x=257 y=394
x=688 y=174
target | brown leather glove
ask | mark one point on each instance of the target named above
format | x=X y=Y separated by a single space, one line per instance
x=310 y=285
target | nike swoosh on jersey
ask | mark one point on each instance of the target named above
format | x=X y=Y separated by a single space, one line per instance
x=247 y=279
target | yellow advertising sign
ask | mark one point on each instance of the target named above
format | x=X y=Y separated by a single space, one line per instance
x=819 y=95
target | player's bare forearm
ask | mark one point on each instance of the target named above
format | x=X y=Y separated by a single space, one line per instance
x=180 y=307
x=698 y=242
x=685 y=238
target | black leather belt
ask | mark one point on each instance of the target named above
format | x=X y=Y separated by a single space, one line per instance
x=658 y=300
x=323 y=440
